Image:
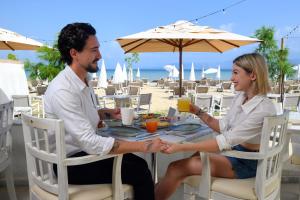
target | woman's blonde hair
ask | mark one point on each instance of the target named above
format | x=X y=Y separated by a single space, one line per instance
x=255 y=63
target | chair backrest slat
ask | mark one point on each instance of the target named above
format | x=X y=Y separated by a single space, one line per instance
x=38 y=152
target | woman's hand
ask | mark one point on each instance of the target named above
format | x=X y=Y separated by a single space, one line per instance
x=194 y=109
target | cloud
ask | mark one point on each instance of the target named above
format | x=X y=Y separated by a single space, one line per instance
x=227 y=27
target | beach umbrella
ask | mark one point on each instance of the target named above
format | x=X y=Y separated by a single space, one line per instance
x=138 y=74
x=297 y=68
x=218 y=76
x=173 y=71
x=183 y=36
x=192 y=74
x=124 y=72
x=130 y=75
x=202 y=74
x=211 y=71
x=102 y=81
x=13 y=41
x=118 y=74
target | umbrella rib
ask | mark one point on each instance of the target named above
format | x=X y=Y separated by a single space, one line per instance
x=125 y=45
x=168 y=42
x=137 y=46
x=6 y=44
x=191 y=42
x=230 y=43
x=213 y=46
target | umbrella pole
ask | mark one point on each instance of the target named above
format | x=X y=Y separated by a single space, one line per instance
x=180 y=69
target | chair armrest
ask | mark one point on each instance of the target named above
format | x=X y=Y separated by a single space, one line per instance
x=244 y=155
x=86 y=159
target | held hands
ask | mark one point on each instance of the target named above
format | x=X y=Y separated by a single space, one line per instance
x=154 y=145
x=170 y=148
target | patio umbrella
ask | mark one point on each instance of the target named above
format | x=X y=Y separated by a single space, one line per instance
x=124 y=72
x=13 y=41
x=192 y=74
x=183 y=36
x=138 y=74
x=118 y=74
x=173 y=71
x=219 y=73
x=211 y=71
x=102 y=81
x=297 y=68
x=202 y=74
x=130 y=75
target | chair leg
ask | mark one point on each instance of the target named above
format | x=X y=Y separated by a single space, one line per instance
x=10 y=184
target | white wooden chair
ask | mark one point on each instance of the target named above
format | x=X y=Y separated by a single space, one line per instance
x=224 y=104
x=266 y=184
x=144 y=100
x=6 y=119
x=291 y=102
x=22 y=104
x=42 y=182
x=205 y=102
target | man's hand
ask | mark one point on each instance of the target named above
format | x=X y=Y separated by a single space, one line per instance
x=115 y=113
x=154 y=145
x=170 y=148
x=109 y=113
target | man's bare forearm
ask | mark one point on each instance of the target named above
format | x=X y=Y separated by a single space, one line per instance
x=120 y=147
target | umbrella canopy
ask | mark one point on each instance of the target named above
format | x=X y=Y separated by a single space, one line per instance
x=124 y=72
x=219 y=73
x=192 y=74
x=13 y=41
x=118 y=74
x=138 y=74
x=211 y=71
x=173 y=71
x=297 y=68
x=183 y=36
x=102 y=81
x=130 y=75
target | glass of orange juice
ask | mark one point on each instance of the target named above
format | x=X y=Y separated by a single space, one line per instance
x=151 y=125
x=183 y=104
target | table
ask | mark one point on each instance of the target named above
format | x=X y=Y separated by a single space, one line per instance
x=203 y=133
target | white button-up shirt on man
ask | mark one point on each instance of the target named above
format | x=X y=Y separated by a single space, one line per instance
x=244 y=122
x=70 y=99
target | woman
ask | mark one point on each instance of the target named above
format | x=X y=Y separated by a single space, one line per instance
x=240 y=129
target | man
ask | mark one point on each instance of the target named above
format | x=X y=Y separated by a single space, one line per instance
x=70 y=98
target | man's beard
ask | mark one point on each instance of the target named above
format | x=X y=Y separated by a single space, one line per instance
x=91 y=69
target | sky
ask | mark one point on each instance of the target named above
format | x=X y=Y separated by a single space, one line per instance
x=42 y=21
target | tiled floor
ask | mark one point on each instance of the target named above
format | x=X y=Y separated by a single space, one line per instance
x=286 y=194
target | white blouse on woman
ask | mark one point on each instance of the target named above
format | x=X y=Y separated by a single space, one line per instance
x=244 y=122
